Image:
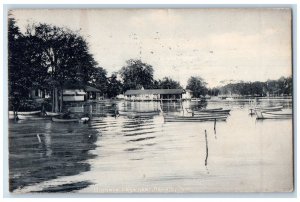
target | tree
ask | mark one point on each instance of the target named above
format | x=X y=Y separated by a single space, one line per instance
x=19 y=76
x=168 y=83
x=99 y=79
x=66 y=56
x=136 y=75
x=114 y=86
x=197 y=85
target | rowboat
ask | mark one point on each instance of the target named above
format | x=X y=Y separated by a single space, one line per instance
x=286 y=114
x=64 y=120
x=253 y=110
x=209 y=111
x=193 y=118
x=30 y=117
x=52 y=113
x=275 y=108
x=25 y=113
x=139 y=113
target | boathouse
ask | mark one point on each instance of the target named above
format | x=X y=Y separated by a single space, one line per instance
x=81 y=94
x=154 y=94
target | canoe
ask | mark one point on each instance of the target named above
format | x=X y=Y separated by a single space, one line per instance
x=139 y=113
x=193 y=118
x=276 y=108
x=52 y=113
x=30 y=117
x=222 y=111
x=209 y=111
x=25 y=113
x=286 y=114
x=64 y=120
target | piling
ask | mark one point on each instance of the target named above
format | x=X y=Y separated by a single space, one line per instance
x=206 y=143
x=215 y=123
x=38 y=136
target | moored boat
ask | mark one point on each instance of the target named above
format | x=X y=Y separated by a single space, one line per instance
x=64 y=120
x=285 y=114
x=25 y=113
x=30 y=117
x=139 y=113
x=52 y=114
x=193 y=118
x=274 y=108
x=209 y=111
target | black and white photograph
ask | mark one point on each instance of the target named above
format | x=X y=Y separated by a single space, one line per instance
x=160 y=100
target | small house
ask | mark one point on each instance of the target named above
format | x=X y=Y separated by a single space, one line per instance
x=81 y=94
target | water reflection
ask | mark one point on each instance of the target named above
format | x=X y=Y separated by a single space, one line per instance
x=60 y=150
x=138 y=152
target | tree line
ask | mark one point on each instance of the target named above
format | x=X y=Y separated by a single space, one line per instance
x=282 y=86
x=52 y=58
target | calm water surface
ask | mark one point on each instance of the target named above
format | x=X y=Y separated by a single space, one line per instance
x=126 y=154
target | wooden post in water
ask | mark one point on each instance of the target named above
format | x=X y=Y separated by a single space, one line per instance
x=215 y=123
x=206 y=143
x=38 y=136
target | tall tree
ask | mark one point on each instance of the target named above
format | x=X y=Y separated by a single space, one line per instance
x=114 y=86
x=99 y=79
x=136 y=75
x=197 y=85
x=19 y=74
x=66 y=56
x=168 y=83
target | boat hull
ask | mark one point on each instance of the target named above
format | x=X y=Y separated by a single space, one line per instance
x=64 y=120
x=273 y=115
x=210 y=111
x=52 y=114
x=266 y=109
x=194 y=118
x=25 y=113
x=138 y=114
x=30 y=117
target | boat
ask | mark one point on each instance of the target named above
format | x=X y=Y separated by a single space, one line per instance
x=275 y=108
x=253 y=110
x=52 y=114
x=64 y=120
x=11 y=116
x=25 y=113
x=30 y=117
x=139 y=113
x=285 y=114
x=209 y=111
x=194 y=118
x=84 y=119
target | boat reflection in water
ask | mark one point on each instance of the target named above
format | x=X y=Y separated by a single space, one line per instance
x=44 y=150
x=132 y=154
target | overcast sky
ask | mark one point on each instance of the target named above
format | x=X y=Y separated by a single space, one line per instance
x=216 y=44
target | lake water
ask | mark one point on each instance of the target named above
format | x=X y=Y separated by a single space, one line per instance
x=124 y=154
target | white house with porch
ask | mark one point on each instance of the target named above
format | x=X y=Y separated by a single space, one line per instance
x=154 y=94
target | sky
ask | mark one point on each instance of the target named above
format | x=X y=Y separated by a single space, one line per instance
x=219 y=45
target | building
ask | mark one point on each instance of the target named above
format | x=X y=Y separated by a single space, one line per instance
x=187 y=95
x=81 y=94
x=154 y=94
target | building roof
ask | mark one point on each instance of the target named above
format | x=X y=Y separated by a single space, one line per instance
x=91 y=89
x=154 y=91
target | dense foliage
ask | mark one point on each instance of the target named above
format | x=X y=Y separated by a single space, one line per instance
x=282 y=86
x=52 y=58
